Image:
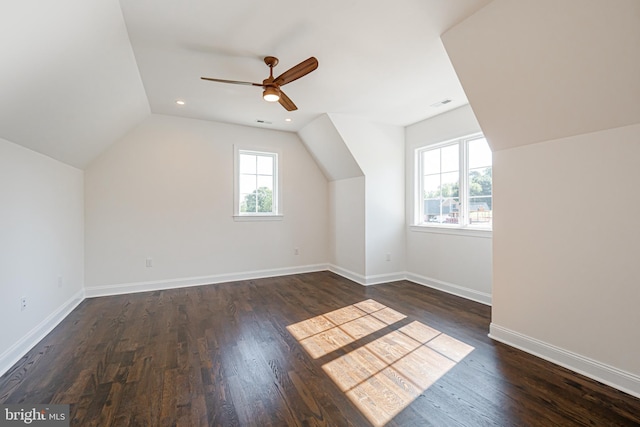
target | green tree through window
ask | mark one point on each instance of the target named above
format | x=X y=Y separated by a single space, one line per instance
x=455 y=185
x=264 y=197
x=256 y=184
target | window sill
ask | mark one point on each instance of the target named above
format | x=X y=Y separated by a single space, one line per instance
x=458 y=231
x=241 y=218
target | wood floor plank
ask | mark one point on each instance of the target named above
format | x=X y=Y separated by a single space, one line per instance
x=302 y=350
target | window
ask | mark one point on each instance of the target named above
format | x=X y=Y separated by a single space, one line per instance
x=454 y=184
x=256 y=183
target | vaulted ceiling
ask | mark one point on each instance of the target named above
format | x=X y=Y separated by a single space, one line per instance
x=78 y=75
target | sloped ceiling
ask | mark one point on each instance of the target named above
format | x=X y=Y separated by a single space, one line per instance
x=546 y=69
x=69 y=82
x=77 y=75
x=329 y=149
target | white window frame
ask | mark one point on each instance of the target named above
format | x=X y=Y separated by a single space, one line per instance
x=276 y=155
x=463 y=227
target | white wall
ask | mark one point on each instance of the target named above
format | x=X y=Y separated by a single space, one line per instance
x=165 y=191
x=346 y=236
x=41 y=246
x=456 y=263
x=379 y=151
x=347 y=230
x=565 y=279
x=566 y=245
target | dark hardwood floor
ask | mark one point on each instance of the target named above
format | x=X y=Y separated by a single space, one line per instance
x=303 y=350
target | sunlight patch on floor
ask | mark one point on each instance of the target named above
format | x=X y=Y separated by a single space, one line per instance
x=328 y=332
x=383 y=376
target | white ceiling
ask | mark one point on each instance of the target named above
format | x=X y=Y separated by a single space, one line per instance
x=72 y=82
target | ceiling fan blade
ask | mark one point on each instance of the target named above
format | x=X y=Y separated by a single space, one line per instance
x=286 y=102
x=235 y=82
x=300 y=70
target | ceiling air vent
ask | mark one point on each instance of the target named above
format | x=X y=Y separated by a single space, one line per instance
x=441 y=103
x=264 y=122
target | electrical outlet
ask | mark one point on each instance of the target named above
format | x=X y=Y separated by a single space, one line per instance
x=296 y=251
x=23 y=303
x=388 y=256
x=59 y=281
x=149 y=262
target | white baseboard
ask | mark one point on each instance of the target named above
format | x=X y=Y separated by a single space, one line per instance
x=451 y=288
x=355 y=277
x=614 y=377
x=377 y=279
x=14 y=353
x=129 y=288
x=20 y=348
x=366 y=280
x=619 y=379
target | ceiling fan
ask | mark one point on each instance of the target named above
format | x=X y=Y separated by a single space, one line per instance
x=272 y=91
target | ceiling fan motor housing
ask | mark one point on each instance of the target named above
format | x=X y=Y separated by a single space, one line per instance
x=271 y=86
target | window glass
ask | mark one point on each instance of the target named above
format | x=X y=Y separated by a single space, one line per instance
x=479 y=153
x=480 y=183
x=431 y=161
x=264 y=165
x=455 y=186
x=450 y=158
x=257 y=179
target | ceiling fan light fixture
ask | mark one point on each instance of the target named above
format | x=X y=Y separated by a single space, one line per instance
x=271 y=85
x=271 y=94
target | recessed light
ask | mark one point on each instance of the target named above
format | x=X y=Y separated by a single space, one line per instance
x=180 y=102
x=287 y=119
